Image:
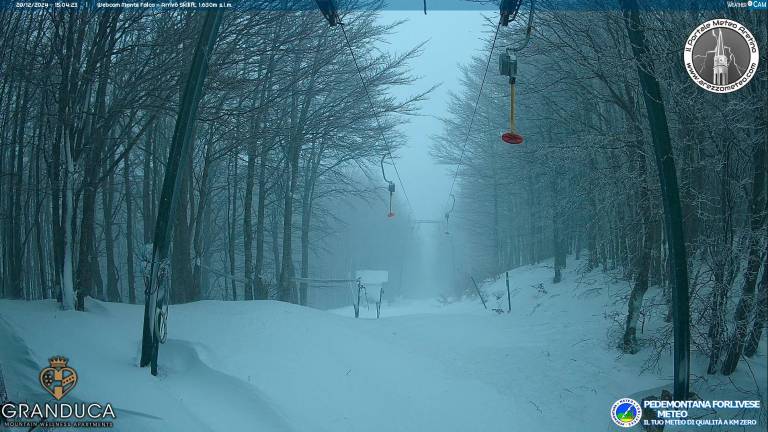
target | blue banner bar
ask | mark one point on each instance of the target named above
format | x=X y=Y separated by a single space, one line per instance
x=345 y=6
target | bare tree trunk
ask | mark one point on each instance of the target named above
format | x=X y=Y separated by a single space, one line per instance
x=250 y=175
x=298 y=119
x=232 y=225
x=201 y=230
x=498 y=264
x=207 y=255
x=88 y=276
x=253 y=271
x=287 y=286
x=261 y=291
x=665 y=163
x=39 y=234
x=275 y=232
x=310 y=176
x=130 y=272
x=13 y=233
x=757 y=236
x=181 y=265
x=761 y=313
x=557 y=241
x=147 y=203
x=107 y=195
x=720 y=254
x=642 y=267
x=67 y=283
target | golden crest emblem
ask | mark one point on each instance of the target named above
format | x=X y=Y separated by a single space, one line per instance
x=58 y=379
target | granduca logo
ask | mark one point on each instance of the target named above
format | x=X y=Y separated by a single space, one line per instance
x=58 y=411
x=58 y=379
x=626 y=412
x=721 y=56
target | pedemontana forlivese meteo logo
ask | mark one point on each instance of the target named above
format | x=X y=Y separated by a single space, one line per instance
x=626 y=412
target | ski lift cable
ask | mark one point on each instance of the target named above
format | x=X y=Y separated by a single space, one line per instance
x=474 y=112
x=376 y=116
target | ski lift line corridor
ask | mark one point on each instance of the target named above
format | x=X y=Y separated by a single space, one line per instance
x=508 y=66
x=154 y=325
x=474 y=112
x=390 y=185
x=508 y=10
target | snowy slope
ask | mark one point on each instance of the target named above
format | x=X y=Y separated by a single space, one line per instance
x=549 y=365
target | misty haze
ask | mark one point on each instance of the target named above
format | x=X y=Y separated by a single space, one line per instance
x=356 y=215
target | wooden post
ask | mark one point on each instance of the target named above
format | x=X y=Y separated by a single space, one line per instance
x=357 y=303
x=479 y=294
x=509 y=297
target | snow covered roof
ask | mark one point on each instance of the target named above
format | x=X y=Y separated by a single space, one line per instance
x=372 y=277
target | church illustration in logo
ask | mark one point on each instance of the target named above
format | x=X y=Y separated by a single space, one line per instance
x=720 y=70
x=718 y=63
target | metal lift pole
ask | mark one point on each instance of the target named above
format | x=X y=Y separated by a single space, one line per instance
x=157 y=284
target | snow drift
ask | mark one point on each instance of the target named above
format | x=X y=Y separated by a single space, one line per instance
x=549 y=365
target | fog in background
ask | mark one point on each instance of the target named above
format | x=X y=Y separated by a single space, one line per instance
x=416 y=247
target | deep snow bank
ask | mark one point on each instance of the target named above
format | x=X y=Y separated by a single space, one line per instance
x=549 y=365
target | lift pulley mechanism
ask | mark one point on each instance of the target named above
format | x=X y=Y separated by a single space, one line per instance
x=508 y=10
x=329 y=10
x=508 y=63
x=390 y=187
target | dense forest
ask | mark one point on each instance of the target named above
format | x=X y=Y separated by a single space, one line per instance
x=284 y=132
x=286 y=136
x=585 y=183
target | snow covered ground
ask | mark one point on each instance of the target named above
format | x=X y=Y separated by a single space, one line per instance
x=549 y=365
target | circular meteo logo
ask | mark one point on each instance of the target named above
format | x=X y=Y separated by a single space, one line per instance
x=626 y=412
x=721 y=56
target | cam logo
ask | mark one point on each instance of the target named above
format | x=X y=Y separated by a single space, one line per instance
x=58 y=379
x=626 y=412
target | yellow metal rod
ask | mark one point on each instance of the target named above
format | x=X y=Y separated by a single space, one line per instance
x=512 y=107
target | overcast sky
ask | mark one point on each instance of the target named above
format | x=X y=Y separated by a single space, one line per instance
x=453 y=38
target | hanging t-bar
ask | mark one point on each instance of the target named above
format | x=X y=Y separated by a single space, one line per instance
x=390 y=187
x=508 y=62
x=391 y=214
x=508 y=67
